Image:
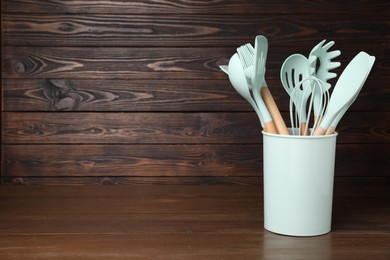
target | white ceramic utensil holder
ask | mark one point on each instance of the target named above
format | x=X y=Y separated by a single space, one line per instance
x=298 y=183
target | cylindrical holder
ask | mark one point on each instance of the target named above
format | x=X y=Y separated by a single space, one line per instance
x=298 y=183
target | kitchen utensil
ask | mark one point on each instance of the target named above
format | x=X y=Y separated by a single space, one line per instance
x=315 y=85
x=260 y=58
x=254 y=62
x=320 y=64
x=339 y=115
x=237 y=78
x=247 y=61
x=321 y=54
x=273 y=110
x=293 y=72
x=224 y=68
x=347 y=87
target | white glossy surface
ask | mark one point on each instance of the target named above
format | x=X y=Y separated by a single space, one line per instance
x=298 y=183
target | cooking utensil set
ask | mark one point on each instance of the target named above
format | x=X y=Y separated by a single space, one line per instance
x=306 y=82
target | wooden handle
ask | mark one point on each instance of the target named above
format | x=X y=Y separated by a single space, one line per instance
x=319 y=131
x=330 y=130
x=269 y=127
x=318 y=120
x=303 y=128
x=274 y=111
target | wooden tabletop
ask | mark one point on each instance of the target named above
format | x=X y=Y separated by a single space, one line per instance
x=182 y=222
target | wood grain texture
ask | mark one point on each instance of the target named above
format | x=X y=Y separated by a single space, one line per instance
x=140 y=82
x=121 y=128
x=265 y=7
x=194 y=246
x=150 y=63
x=159 y=180
x=132 y=160
x=121 y=95
x=114 y=63
x=181 y=222
x=169 y=128
x=142 y=95
x=184 y=30
x=177 y=180
x=172 y=160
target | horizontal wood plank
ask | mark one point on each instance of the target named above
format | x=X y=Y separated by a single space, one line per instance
x=178 y=128
x=131 y=160
x=156 y=95
x=171 y=160
x=179 y=180
x=122 y=95
x=169 y=128
x=188 y=30
x=102 y=91
x=264 y=7
x=123 y=180
x=151 y=63
x=193 y=246
x=179 y=212
x=181 y=222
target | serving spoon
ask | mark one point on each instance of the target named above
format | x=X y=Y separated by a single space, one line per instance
x=292 y=74
x=237 y=78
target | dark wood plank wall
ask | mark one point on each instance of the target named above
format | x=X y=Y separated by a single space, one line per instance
x=123 y=91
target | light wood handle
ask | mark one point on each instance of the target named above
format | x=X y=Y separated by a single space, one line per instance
x=269 y=127
x=274 y=111
x=330 y=130
x=318 y=120
x=319 y=131
x=302 y=129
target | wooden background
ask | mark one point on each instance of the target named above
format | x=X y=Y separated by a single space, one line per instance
x=130 y=91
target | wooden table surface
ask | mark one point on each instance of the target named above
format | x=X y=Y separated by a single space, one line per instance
x=182 y=222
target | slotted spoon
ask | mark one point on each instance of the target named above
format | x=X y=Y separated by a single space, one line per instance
x=293 y=71
x=320 y=65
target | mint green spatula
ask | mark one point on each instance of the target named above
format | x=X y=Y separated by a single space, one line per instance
x=346 y=89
